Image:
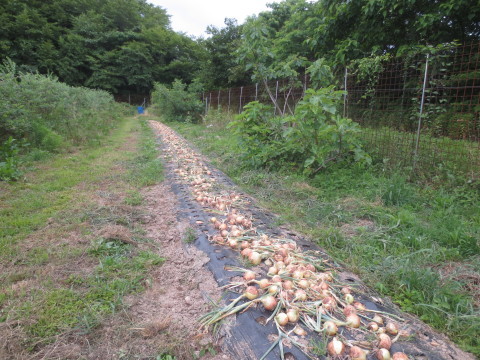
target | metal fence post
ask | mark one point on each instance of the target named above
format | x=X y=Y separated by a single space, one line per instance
x=422 y=102
x=240 y=106
x=256 y=91
x=229 y=92
x=276 y=98
x=346 y=93
x=210 y=101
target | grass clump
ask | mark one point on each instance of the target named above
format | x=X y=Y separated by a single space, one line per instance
x=402 y=236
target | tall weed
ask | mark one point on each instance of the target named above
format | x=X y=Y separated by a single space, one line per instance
x=51 y=115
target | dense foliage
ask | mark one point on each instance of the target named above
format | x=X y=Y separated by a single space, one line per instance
x=177 y=102
x=116 y=45
x=48 y=115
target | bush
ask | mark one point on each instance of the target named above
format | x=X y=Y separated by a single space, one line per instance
x=9 y=160
x=49 y=114
x=312 y=138
x=176 y=103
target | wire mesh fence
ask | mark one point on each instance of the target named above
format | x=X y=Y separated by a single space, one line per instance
x=420 y=111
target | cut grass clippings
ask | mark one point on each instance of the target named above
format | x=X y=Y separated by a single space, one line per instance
x=399 y=236
x=59 y=272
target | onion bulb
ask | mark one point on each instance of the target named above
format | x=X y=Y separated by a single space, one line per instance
x=359 y=306
x=357 y=353
x=213 y=220
x=348 y=310
x=287 y=285
x=378 y=319
x=281 y=319
x=273 y=289
x=298 y=330
x=391 y=328
x=293 y=315
x=251 y=292
x=249 y=275
x=383 y=354
x=255 y=258
x=304 y=284
x=353 y=320
x=335 y=347
x=384 y=341
x=373 y=326
x=300 y=295
x=399 y=356
x=269 y=303
x=263 y=283
x=330 y=328
x=272 y=270
x=246 y=252
x=349 y=298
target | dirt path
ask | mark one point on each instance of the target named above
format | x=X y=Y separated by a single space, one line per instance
x=204 y=193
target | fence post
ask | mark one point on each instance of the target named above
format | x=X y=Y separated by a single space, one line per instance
x=218 y=101
x=210 y=101
x=240 y=106
x=276 y=98
x=206 y=105
x=229 y=92
x=346 y=93
x=422 y=102
x=256 y=91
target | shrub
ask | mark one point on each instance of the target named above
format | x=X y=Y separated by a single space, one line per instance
x=9 y=160
x=176 y=103
x=312 y=138
x=50 y=114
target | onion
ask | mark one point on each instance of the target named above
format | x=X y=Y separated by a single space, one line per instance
x=273 y=289
x=280 y=265
x=281 y=319
x=348 y=310
x=297 y=274
x=223 y=226
x=224 y=233
x=255 y=258
x=353 y=320
x=372 y=326
x=378 y=319
x=236 y=233
x=399 y=356
x=251 y=292
x=272 y=271
x=349 y=298
x=383 y=354
x=287 y=285
x=269 y=303
x=276 y=279
x=213 y=220
x=357 y=353
x=311 y=268
x=330 y=328
x=246 y=252
x=298 y=330
x=264 y=283
x=335 y=347
x=324 y=286
x=391 y=328
x=249 y=275
x=304 y=284
x=300 y=295
x=384 y=341
x=329 y=303
x=239 y=219
x=245 y=244
x=346 y=290
x=293 y=315
x=232 y=243
x=359 y=306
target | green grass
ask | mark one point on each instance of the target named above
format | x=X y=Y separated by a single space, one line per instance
x=403 y=238
x=57 y=200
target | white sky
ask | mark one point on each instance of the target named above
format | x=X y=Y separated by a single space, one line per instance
x=193 y=16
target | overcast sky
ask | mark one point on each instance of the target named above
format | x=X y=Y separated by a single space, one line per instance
x=193 y=16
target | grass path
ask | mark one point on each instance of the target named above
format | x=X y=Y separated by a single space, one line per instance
x=67 y=256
